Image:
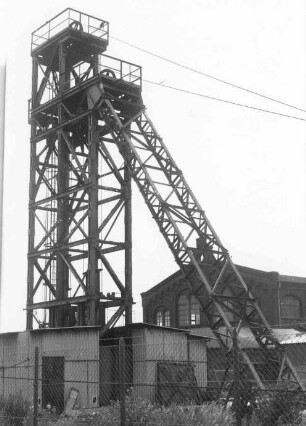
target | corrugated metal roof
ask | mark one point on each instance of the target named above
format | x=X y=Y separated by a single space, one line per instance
x=286 y=336
x=10 y=333
x=293 y=339
x=61 y=329
x=142 y=325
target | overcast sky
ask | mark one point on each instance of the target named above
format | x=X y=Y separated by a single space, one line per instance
x=247 y=168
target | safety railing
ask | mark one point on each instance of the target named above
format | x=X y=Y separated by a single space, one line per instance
x=70 y=18
x=111 y=69
x=121 y=70
x=114 y=69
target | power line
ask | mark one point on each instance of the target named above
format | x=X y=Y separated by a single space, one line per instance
x=224 y=100
x=236 y=86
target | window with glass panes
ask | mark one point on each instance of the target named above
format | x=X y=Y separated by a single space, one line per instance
x=188 y=310
x=159 y=318
x=162 y=317
x=290 y=307
x=183 y=310
x=167 y=318
x=194 y=311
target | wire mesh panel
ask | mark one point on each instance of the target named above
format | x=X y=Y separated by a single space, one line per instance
x=179 y=382
x=176 y=383
x=156 y=378
x=16 y=384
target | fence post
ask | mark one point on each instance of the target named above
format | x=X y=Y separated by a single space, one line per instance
x=236 y=402
x=35 y=390
x=122 y=386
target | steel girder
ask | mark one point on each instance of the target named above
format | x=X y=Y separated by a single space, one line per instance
x=194 y=243
x=90 y=135
x=77 y=226
x=80 y=200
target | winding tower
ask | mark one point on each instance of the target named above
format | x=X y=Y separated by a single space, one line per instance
x=90 y=136
x=80 y=200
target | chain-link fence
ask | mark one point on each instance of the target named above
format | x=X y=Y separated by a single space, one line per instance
x=171 y=380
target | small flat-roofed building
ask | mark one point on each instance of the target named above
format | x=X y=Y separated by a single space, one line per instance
x=162 y=364
x=68 y=358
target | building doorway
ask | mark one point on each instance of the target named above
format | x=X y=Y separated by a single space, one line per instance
x=53 y=382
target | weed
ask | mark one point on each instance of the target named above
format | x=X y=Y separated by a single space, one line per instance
x=13 y=409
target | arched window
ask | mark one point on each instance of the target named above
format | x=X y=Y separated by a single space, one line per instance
x=167 y=318
x=162 y=318
x=188 y=309
x=290 y=307
x=194 y=310
x=159 y=318
x=183 y=310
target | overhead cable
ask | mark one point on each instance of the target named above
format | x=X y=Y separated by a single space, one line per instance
x=236 y=86
x=224 y=100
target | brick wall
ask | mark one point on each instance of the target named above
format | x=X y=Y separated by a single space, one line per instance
x=269 y=288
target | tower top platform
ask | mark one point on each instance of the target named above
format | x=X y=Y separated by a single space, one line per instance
x=70 y=25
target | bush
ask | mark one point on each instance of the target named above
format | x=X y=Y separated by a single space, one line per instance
x=13 y=409
x=279 y=407
x=141 y=412
x=211 y=414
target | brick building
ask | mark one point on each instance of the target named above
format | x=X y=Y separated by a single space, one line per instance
x=171 y=303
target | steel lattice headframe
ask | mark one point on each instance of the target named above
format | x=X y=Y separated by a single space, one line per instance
x=90 y=137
